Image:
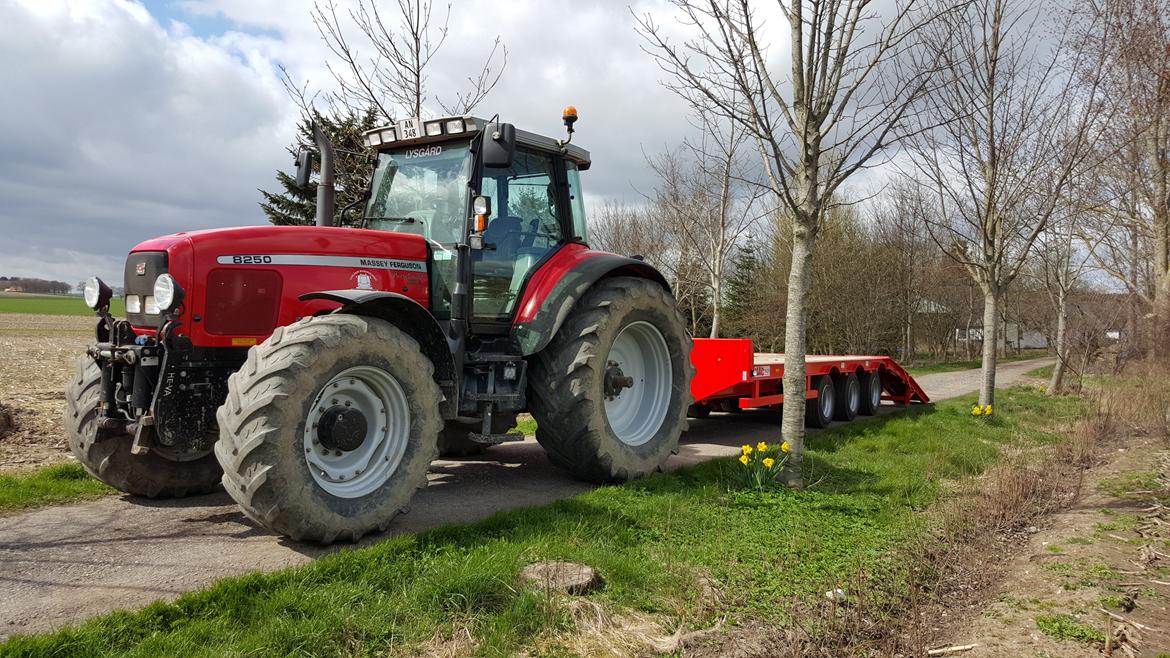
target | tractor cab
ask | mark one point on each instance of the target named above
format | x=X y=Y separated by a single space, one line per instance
x=431 y=174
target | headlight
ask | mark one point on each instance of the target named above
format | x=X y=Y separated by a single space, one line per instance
x=168 y=295
x=133 y=304
x=96 y=294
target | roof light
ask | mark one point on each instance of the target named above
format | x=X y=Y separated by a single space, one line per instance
x=373 y=139
x=455 y=126
x=434 y=128
x=388 y=135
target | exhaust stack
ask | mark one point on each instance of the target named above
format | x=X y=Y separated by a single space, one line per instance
x=325 y=190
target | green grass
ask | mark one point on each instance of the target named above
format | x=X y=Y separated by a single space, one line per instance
x=1043 y=372
x=651 y=539
x=527 y=425
x=53 y=484
x=954 y=366
x=52 y=305
x=1066 y=627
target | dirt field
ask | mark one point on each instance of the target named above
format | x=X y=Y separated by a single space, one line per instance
x=36 y=357
x=1100 y=566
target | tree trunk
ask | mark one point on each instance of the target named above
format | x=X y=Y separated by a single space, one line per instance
x=990 y=343
x=716 y=294
x=795 y=385
x=1054 y=384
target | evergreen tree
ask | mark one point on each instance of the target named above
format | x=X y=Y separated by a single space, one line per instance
x=353 y=167
x=741 y=304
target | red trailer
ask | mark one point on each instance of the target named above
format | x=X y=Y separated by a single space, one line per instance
x=730 y=375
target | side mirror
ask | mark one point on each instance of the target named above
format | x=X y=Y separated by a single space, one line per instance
x=499 y=145
x=304 y=164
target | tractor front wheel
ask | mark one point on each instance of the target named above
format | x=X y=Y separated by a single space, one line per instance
x=329 y=427
x=110 y=460
x=610 y=393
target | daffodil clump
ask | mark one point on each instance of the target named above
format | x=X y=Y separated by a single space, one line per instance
x=762 y=464
x=981 y=411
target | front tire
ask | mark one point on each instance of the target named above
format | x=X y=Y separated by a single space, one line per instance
x=148 y=474
x=626 y=338
x=329 y=427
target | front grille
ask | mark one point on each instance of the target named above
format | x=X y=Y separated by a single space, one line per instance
x=151 y=264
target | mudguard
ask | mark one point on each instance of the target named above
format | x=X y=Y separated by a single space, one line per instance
x=557 y=285
x=404 y=313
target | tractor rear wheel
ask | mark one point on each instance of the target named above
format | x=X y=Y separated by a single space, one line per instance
x=329 y=427
x=110 y=460
x=611 y=391
x=454 y=442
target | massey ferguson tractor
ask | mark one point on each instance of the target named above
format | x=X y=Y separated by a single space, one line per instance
x=316 y=371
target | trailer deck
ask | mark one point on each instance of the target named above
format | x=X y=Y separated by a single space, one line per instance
x=729 y=374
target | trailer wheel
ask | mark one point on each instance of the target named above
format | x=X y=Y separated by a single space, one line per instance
x=610 y=392
x=698 y=410
x=818 y=411
x=453 y=441
x=111 y=461
x=848 y=396
x=329 y=427
x=871 y=393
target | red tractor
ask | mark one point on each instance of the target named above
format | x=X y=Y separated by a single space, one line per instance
x=317 y=371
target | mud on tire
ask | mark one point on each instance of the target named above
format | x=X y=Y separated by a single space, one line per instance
x=567 y=379
x=110 y=461
x=262 y=425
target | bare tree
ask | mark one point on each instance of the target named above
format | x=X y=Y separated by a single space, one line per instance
x=840 y=104
x=1011 y=128
x=381 y=59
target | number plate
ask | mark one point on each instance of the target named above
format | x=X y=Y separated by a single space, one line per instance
x=409 y=129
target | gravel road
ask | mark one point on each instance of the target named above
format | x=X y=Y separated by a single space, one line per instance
x=60 y=565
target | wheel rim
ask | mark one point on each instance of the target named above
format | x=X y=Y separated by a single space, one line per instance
x=356 y=472
x=854 y=395
x=637 y=412
x=875 y=390
x=827 y=401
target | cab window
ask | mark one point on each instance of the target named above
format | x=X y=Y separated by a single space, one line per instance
x=576 y=202
x=523 y=228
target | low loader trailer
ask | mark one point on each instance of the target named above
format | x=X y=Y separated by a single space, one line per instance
x=315 y=372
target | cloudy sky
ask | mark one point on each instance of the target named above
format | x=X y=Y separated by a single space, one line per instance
x=124 y=120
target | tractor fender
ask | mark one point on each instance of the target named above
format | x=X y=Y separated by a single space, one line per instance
x=563 y=279
x=404 y=313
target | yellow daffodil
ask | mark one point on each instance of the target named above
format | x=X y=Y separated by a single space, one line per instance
x=976 y=410
x=744 y=459
x=987 y=410
x=769 y=462
x=747 y=450
x=784 y=447
x=761 y=446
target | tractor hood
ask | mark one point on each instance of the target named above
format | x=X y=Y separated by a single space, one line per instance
x=243 y=282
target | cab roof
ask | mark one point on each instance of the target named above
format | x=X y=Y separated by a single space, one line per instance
x=443 y=129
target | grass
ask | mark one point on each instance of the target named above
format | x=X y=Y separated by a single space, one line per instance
x=1043 y=372
x=53 y=484
x=651 y=539
x=1066 y=627
x=52 y=305
x=954 y=366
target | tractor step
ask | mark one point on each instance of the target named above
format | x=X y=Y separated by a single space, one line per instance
x=496 y=439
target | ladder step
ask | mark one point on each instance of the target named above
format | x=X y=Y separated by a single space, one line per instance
x=495 y=439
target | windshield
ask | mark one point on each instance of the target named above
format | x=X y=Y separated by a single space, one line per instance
x=421 y=190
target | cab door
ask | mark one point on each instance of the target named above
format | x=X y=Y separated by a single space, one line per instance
x=525 y=227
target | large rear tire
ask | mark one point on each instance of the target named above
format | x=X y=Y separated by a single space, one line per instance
x=329 y=427
x=621 y=328
x=148 y=474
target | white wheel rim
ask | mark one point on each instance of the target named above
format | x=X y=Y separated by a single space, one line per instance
x=826 y=397
x=637 y=412
x=361 y=471
x=875 y=390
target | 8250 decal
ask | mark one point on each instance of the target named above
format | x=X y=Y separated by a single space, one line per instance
x=251 y=260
